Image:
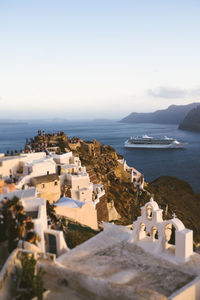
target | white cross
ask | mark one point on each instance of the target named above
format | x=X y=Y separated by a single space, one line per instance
x=173 y=215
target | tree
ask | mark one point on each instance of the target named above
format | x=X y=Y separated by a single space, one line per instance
x=30 y=281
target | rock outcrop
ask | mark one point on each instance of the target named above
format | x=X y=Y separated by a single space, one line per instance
x=176 y=196
x=192 y=120
x=43 y=140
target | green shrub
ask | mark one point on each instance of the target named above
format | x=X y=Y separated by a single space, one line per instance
x=31 y=284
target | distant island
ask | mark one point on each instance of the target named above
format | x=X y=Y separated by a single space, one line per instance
x=174 y=114
x=50 y=120
x=12 y=122
x=192 y=120
x=102 y=120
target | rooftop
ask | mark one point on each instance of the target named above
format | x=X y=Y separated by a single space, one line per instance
x=124 y=269
x=45 y=178
x=27 y=193
x=69 y=202
x=63 y=155
x=24 y=156
x=43 y=160
x=4 y=158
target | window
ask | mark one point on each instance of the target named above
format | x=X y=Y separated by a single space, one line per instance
x=43 y=185
x=55 y=183
x=47 y=172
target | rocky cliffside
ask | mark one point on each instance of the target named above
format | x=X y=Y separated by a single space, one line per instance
x=176 y=196
x=192 y=120
x=102 y=164
x=172 y=194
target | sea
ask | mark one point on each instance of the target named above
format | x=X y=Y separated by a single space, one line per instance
x=152 y=163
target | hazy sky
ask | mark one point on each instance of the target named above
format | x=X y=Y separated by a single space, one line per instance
x=98 y=58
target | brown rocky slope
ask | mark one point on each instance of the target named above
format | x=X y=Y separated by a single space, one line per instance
x=176 y=196
x=173 y=195
x=102 y=162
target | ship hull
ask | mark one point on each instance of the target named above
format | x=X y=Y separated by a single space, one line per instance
x=155 y=146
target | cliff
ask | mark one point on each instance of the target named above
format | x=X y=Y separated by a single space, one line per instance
x=174 y=114
x=192 y=120
x=172 y=194
x=176 y=196
x=103 y=167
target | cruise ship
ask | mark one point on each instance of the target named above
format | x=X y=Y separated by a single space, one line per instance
x=146 y=141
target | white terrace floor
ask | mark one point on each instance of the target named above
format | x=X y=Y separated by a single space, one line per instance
x=108 y=267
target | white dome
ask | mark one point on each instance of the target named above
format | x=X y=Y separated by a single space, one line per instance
x=69 y=202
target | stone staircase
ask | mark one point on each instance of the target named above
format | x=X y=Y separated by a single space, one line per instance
x=92 y=175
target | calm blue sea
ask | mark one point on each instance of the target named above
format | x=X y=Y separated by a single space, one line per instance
x=184 y=164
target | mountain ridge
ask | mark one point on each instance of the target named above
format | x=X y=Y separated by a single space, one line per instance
x=174 y=114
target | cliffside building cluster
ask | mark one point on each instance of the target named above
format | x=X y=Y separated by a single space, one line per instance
x=60 y=179
x=114 y=261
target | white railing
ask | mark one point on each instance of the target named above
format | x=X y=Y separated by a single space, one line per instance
x=97 y=197
x=7 y=267
x=23 y=181
x=16 y=255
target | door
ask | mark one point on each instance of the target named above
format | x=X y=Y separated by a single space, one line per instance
x=50 y=241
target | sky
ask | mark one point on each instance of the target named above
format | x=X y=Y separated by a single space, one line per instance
x=84 y=59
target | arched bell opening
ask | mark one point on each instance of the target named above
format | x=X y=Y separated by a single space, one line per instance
x=154 y=233
x=142 y=227
x=172 y=240
x=170 y=235
x=142 y=232
x=149 y=212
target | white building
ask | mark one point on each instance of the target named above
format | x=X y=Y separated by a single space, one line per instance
x=82 y=212
x=26 y=194
x=10 y=165
x=66 y=158
x=52 y=241
x=25 y=166
x=98 y=192
x=30 y=169
x=135 y=176
x=67 y=163
x=77 y=179
x=80 y=186
x=44 y=166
